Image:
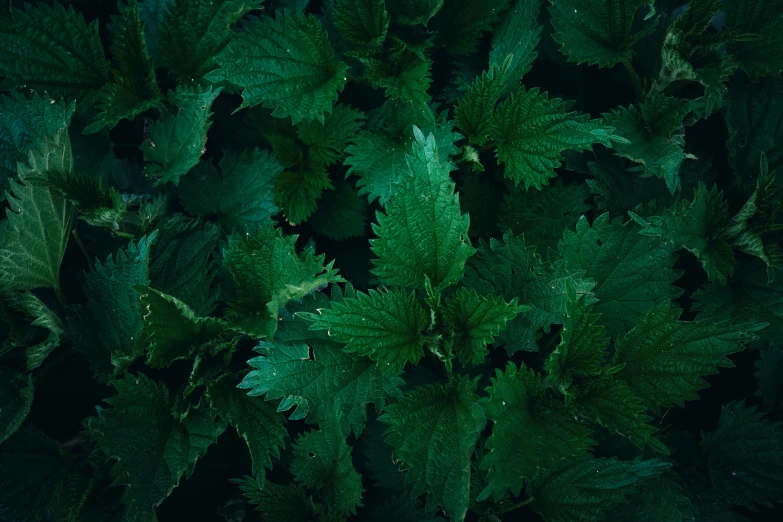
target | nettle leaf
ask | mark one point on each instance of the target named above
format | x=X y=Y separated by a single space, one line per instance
x=660 y=500
x=297 y=192
x=460 y=23
x=422 y=233
x=135 y=88
x=25 y=125
x=42 y=317
x=276 y=503
x=51 y=48
x=665 y=359
x=532 y=131
x=309 y=371
x=660 y=156
x=16 y=396
x=152 y=446
x=31 y=475
x=585 y=489
x=746 y=456
x=174 y=331
x=362 y=22
x=327 y=140
x=632 y=273
x=109 y=327
x=510 y=269
x=529 y=430
x=286 y=64
x=268 y=273
x=385 y=326
x=599 y=31
x=414 y=12
x=39 y=222
x=240 y=196
x=473 y=112
x=341 y=213
x=758 y=56
x=434 y=430
x=322 y=459
x=193 y=32
x=517 y=34
x=543 y=215
x=474 y=321
x=176 y=142
x=379 y=157
x=404 y=75
x=255 y=420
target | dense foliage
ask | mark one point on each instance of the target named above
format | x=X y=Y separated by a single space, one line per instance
x=391 y=260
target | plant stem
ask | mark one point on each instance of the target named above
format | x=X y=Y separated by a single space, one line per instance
x=518 y=505
x=634 y=79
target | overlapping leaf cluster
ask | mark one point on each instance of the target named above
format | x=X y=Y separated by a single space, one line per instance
x=523 y=289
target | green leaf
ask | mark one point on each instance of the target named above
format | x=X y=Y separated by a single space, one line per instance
x=255 y=420
x=404 y=75
x=268 y=273
x=460 y=23
x=759 y=56
x=663 y=114
x=661 y=500
x=309 y=371
x=176 y=142
x=414 y=12
x=517 y=34
x=240 y=196
x=109 y=327
x=746 y=456
x=473 y=112
x=585 y=489
x=182 y=263
x=52 y=49
x=423 y=233
x=193 y=32
x=152 y=448
x=286 y=64
x=43 y=317
x=475 y=321
x=433 y=430
x=632 y=273
x=532 y=131
x=277 y=503
x=39 y=222
x=326 y=140
x=385 y=326
x=135 y=88
x=660 y=156
x=341 y=213
x=25 y=125
x=665 y=359
x=31 y=475
x=768 y=368
x=543 y=215
x=379 y=158
x=528 y=431
x=599 y=31
x=173 y=331
x=510 y=269
x=297 y=192
x=152 y=13
x=362 y=21
x=16 y=396
x=322 y=459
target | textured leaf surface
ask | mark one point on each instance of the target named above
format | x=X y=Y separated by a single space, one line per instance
x=277 y=503
x=433 y=431
x=423 y=233
x=255 y=420
x=327 y=139
x=176 y=142
x=473 y=112
x=241 y=195
x=533 y=130
x=403 y=74
x=16 y=396
x=362 y=21
x=759 y=56
x=665 y=359
x=297 y=192
x=583 y=490
x=413 y=12
x=384 y=325
x=52 y=48
x=517 y=34
x=746 y=456
x=322 y=459
x=286 y=64
x=460 y=22
x=632 y=273
x=597 y=31
x=528 y=431
x=268 y=273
